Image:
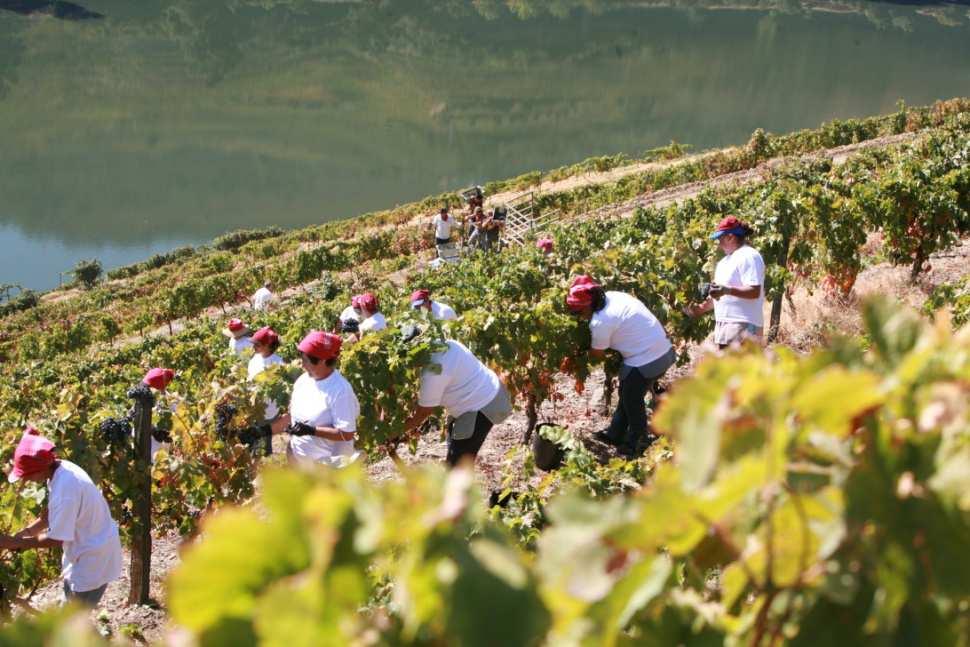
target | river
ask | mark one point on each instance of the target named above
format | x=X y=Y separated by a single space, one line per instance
x=128 y=128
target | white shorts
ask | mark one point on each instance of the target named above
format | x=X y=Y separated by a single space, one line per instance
x=730 y=332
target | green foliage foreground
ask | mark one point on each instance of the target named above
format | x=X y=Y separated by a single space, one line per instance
x=817 y=499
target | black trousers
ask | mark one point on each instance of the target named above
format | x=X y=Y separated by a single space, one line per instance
x=458 y=449
x=629 y=422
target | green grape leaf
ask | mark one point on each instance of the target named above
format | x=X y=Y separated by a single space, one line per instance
x=642 y=583
x=220 y=578
x=832 y=398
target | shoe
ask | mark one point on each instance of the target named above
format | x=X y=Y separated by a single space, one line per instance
x=604 y=437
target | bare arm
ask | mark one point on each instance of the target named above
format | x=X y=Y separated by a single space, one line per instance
x=417 y=419
x=698 y=309
x=26 y=543
x=747 y=292
x=35 y=528
x=332 y=433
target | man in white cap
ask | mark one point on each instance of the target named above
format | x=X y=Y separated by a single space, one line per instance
x=76 y=519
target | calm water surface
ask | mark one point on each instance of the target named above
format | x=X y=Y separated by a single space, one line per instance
x=128 y=128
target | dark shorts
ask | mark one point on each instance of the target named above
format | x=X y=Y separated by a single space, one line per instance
x=86 y=598
x=458 y=449
x=441 y=241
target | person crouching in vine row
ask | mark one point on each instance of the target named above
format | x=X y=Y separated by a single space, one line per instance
x=373 y=320
x=322 y=421
x=440 y=311
x=621 y=322
x=76 y=520
x=263 y=298
x=240 y=337
x=737 y=295
x=470 y=393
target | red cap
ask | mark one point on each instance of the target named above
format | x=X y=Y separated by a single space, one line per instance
x=322 y=345
x=545 y=244
x=266 y=336
x=420 y=297
x=34 y=454
x=235 y=325
x=159 y=378
x=365 y=301
x=729 y=225
x=581 y=292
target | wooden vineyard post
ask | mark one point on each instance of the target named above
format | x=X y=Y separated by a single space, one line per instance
x=774 y=319
x=141 y=535
x=531 y=417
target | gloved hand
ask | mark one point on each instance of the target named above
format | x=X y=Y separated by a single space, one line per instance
x=161 y=435
x=301 y=429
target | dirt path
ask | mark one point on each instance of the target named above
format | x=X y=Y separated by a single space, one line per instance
x=604 y=177
x=658 y=199
x=683 y=192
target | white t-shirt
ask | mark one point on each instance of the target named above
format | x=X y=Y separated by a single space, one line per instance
x=464 y=383
x=373 y=323
x=324 y=403
x=442 y=311
x=262 y=299
x=442 y=228
x=79 y=517
x=239 y=345
x=628 y=327
x=743 y=268
x=348 y=314
x=257 y=365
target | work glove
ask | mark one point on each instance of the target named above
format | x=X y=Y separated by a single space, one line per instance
x=301 y=429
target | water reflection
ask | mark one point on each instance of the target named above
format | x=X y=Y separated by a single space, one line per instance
x=55 y=8
x=180 y=119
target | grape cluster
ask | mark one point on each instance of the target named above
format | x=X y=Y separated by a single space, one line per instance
x=257 y=439
x=117 y=431
x=142 y=393
x=224 y=415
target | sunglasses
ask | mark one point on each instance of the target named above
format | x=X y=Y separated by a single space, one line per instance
x=310 y=358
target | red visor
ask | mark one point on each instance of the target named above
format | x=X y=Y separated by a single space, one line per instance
x=581 y=292
x=321 y=345
x=34 y=454
x=365 y=301
x=266 y=336
x=420 y=297
x=159 y=378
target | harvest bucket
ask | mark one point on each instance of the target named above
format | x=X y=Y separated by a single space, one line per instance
x=547 y=454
